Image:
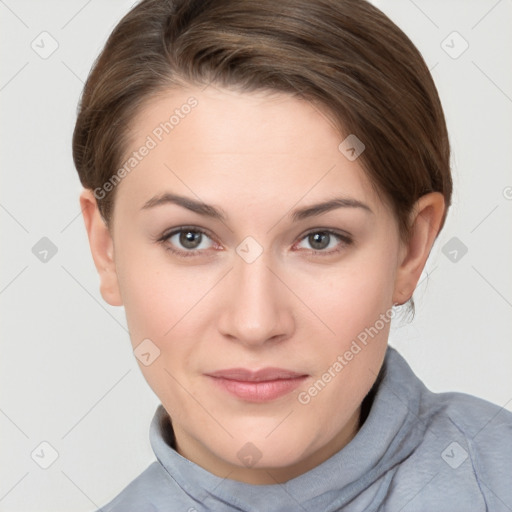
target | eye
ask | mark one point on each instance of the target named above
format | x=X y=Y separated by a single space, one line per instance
x=326 y=242
x=186 y=241
x=191 y=241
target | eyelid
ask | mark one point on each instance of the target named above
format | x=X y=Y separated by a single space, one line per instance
x=179 y=229
x=332 y=231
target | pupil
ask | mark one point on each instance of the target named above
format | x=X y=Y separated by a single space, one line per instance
x=319 y=240
x=189 y=238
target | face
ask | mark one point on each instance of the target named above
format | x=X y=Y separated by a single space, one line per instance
x=263 y=278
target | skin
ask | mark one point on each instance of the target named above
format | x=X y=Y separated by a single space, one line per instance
x=258 y=157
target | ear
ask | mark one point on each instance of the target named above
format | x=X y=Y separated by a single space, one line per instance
x=425 y=223
x=102 y=248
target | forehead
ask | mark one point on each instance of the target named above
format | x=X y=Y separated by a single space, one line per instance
x=217 y=140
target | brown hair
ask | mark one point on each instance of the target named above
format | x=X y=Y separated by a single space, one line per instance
x=344 y=55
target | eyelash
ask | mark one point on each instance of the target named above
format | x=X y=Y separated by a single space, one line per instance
x=344 y=238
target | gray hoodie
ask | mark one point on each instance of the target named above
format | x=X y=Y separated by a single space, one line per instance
x=417 y=451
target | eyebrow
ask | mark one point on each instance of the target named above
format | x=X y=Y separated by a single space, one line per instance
x=217 y=213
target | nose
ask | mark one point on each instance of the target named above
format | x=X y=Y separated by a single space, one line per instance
x=256 y=307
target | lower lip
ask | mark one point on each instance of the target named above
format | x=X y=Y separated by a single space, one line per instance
x=262 y=391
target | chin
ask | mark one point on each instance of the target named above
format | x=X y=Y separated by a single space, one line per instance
x=271 y=448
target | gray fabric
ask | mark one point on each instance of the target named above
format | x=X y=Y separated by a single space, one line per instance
x=416 y=451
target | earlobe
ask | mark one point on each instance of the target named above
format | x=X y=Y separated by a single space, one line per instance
x=426 y=221
x=102 y=248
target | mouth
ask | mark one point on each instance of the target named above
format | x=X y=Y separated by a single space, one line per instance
x=257 y=386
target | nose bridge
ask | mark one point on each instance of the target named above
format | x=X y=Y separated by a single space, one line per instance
x=255 y=309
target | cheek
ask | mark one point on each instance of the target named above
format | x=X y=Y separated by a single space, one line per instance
x=159 y=303
x=154 y=295
x=359 y=311
x=354 y=296
x=357 y=308
x=168 y=304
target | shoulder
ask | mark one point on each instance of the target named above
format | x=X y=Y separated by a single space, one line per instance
x=470 y=413
x=485 y=427
x=463 y=456
x=483 y=424
x=468 y=446
x=146 y=492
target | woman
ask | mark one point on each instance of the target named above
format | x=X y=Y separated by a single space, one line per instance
x=263 y=183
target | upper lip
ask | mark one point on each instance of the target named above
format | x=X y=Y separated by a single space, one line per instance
x=246 y=375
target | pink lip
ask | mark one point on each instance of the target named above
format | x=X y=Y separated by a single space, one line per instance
x=257 y=386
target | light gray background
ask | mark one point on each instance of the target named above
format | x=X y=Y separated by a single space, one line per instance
x=68 y=375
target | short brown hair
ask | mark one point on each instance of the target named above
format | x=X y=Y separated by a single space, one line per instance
x=344 y=55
